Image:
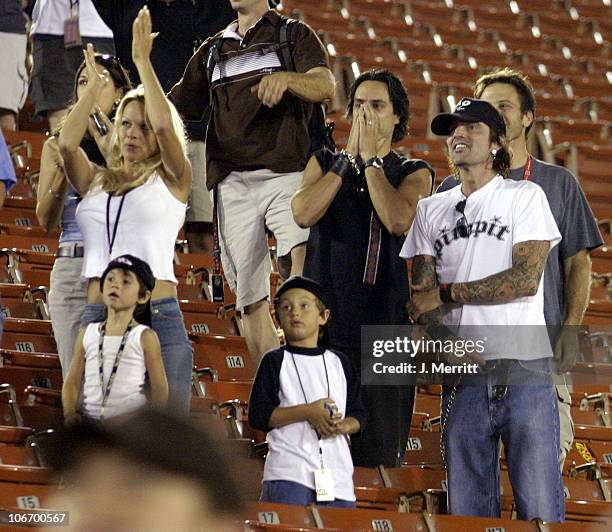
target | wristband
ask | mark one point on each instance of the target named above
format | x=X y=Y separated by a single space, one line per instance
x=341 y=168
x=446 y=293
x=344 y=165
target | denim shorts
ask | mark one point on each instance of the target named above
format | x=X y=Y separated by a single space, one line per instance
x=177 y=352
x=288 y=492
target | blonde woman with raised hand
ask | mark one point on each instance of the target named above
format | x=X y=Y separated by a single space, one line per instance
x=57 y=200
x=137 y=204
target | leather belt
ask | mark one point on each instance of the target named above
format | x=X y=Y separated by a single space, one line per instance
x=70 y=251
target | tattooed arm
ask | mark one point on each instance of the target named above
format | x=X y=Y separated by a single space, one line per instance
x=521 y=280
x=424 y=279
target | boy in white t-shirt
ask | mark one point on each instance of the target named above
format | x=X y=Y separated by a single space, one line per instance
x=478 y=252
x=112 y=359
x=308 y=399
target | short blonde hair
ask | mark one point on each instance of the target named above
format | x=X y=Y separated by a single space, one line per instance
x=110 y=179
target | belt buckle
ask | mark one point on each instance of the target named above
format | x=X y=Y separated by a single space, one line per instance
x=68 y=250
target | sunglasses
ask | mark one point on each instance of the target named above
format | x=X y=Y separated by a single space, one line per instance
x=108 y=59
x=462 y=227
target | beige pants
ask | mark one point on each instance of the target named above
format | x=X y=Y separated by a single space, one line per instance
x=67 y=299
x=200 y=205
x=14 y=76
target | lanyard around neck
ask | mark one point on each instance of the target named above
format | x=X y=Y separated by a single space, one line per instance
x=111 y=241
x=106 y=389
x=300 y=379
x=527 y=171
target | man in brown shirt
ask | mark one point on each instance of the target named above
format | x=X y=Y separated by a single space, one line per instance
x=256 y=149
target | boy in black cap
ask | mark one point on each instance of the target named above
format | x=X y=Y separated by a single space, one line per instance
x=112 y=359
x=308 y=398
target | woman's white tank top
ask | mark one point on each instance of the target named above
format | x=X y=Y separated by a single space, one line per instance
x=146 y=227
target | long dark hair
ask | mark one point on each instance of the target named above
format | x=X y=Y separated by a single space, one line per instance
x=502 y=160
x=119 y=75
x=397 y=95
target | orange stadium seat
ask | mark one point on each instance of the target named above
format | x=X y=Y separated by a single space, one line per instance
x=225 y=366
x=32 y=141
x=227 y=390
x=202 y=317
x=279 y=514
x=361 y=519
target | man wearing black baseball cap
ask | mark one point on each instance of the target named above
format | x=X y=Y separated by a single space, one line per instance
x=567 y=276
x=478 y=253
x=469 y=110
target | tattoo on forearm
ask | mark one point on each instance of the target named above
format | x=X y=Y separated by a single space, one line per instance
x=523 y=279
x=424 y=272
x=424 y=276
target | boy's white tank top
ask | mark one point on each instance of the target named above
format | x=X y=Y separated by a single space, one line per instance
x=127 y=392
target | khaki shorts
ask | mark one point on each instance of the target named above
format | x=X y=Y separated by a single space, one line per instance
x=14 y=76
x=248 y=203
x=200 y=204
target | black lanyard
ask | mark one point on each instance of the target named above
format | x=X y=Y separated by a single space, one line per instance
x=107 y=389
x=111 y=242
x=300 y=379
x=306 y=399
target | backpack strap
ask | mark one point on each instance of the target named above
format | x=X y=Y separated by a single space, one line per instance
x=282 y=41
x=212 y=59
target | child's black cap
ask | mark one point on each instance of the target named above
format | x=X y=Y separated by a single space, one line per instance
x=305 y=283
x=128 y=262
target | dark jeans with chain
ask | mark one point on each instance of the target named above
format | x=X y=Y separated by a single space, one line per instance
x=520 y=411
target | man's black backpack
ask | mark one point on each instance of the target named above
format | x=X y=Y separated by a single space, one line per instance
x=320 y=132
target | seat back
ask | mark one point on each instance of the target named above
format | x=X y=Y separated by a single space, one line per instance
x=279 y=514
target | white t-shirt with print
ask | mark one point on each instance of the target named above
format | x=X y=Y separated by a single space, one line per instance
x=499 y=215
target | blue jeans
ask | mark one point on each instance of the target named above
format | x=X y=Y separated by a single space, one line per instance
x=177 y=353
x=287 y=492
x=526 y=420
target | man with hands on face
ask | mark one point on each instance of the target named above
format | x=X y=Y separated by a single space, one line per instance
x=358 y=204
x=257 y=146
x=308 y=397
